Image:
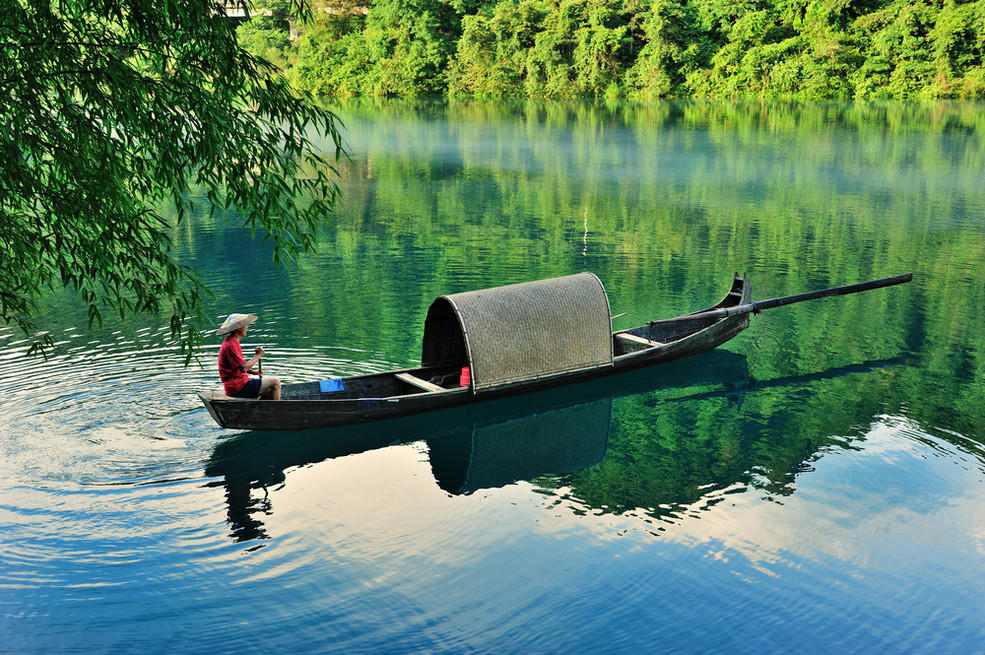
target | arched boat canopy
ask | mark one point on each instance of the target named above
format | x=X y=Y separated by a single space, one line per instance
x=521 y=331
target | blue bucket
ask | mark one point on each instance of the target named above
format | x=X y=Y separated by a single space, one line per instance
x=330 y=385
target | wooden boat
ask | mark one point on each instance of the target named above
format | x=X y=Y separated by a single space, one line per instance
x=508 y=340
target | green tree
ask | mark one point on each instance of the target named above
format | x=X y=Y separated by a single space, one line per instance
x=492 y=51
x=922 y=49
x=331 y=57
x=640 y=48
x=675 y=46
x=113 y=112
x=409 y=43
x=262 y=36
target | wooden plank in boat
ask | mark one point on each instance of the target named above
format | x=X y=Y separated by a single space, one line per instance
x=632 y=338
x=418 y=382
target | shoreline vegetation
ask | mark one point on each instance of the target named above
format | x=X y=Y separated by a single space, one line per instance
x=636 y=49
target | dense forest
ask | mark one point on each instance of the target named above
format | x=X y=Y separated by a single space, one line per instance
x=862 y=49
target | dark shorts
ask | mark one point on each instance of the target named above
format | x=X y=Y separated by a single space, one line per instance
x=250 y=390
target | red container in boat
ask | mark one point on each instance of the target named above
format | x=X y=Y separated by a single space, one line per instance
x=465 y=377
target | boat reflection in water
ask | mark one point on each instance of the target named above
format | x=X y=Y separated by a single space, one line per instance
x=556 y=432
x=555 y=442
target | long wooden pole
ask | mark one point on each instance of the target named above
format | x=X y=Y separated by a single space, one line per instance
x=760 y=305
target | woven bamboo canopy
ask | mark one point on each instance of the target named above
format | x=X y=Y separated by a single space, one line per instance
x=521 y=331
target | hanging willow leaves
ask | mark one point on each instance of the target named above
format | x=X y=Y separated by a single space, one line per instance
x=111 y=112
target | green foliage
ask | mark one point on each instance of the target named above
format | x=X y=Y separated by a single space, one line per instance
x=923 y=49
x=654 y=48
x=675 y=47
x=399 y=48
x=117 y=114
x=544 y=49
x=262 y=37
x=330 y=57
x=409 y=42
x=492 y=52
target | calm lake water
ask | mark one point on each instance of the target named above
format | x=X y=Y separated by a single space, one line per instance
x=816 y=485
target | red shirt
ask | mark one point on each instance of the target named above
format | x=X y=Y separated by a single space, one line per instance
x=231 y=365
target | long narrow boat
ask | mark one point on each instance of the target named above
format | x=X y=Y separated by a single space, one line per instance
x=509 y=340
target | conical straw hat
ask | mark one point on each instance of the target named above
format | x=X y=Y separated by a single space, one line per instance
x=234 y=322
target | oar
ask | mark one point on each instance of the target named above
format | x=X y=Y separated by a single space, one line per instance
x=760 y=305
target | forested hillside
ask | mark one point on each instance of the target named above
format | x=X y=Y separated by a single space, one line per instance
x=864 y=49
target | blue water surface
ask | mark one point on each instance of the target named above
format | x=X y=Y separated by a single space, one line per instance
x=816 y=485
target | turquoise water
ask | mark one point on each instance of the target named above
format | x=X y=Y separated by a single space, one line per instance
x=817 y=484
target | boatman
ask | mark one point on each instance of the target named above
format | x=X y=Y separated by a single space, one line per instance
x=234 y=370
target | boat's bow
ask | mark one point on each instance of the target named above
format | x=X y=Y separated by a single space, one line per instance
x=685 y=335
